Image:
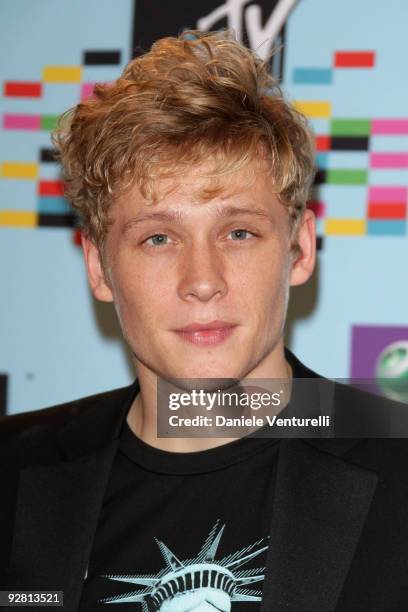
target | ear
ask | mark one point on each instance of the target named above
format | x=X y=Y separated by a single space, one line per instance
x=94 y=268
x=303 y=266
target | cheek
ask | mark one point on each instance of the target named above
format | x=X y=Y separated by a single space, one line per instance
x=262 y=282
x=271 y=306
x=140 y=299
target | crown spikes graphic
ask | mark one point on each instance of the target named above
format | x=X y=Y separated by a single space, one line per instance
x=209 y=549
x=169 y=557
x=201 y=574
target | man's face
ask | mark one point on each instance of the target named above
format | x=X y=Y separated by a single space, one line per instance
x=201 y=288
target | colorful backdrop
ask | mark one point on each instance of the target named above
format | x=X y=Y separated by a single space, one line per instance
x=342 y=63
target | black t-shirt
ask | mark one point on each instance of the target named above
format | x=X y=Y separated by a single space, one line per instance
x=183 y=531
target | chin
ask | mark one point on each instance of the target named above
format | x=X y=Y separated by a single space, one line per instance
x=205 y=372
x=170 y=363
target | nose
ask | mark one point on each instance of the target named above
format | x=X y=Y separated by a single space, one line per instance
x=202 y=274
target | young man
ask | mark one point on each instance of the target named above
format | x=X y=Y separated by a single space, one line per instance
x=191 y=174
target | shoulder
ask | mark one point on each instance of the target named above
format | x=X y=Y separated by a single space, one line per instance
x=362 y=396
x=369 y=430
x=388 y=458
x=358 y=413
x=21 y=425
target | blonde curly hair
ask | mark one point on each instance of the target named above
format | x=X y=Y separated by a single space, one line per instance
x=199 y=97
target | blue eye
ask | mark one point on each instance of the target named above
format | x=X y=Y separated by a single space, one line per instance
x=240 y=234
x=157 y=239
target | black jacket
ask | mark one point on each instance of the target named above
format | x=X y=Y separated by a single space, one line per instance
x=339 y=528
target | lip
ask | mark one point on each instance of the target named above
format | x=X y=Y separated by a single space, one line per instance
x=206 y=334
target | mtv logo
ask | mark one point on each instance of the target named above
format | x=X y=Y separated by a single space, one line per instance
x=260 y=25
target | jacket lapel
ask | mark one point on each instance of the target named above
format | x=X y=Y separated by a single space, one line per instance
x=320 y=506
x=57 y=514
x=58 y=504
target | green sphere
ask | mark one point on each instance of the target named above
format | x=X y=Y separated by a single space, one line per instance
x=392 y=371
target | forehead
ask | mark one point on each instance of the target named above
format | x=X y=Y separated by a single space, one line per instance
x=196 y=192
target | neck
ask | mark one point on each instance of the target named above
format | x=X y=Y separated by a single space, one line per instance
x=142 y=416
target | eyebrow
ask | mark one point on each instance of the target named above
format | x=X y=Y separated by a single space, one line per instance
x=177 y=216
